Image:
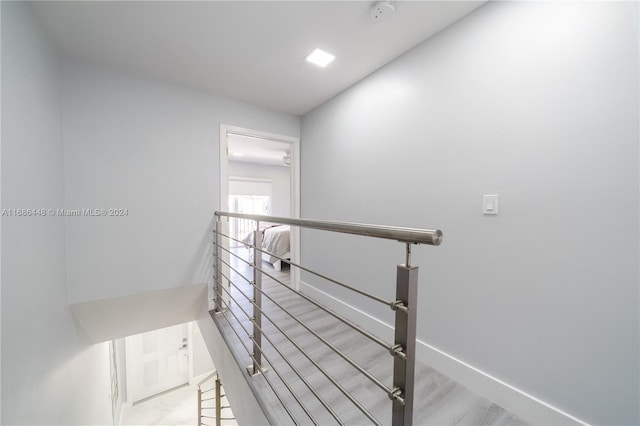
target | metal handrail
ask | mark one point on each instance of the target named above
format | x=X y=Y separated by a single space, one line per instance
x=402 y=350
x=405 y=235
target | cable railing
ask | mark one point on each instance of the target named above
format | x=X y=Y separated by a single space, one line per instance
x=239 y=296
x=210 y=405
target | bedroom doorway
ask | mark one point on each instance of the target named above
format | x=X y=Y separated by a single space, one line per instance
x=259 y=174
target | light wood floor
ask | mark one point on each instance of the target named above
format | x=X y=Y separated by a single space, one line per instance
x=438 y=399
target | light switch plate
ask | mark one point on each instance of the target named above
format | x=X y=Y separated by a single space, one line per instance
x=490 y=204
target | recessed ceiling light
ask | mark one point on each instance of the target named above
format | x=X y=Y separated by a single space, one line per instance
x=320 y=58
x=237 y=154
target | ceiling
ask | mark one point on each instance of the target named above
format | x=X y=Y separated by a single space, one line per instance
x=251 y=51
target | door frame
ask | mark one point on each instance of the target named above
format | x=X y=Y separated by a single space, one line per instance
x=294 y=167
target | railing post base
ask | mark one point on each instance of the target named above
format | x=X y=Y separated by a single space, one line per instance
x=254 y=372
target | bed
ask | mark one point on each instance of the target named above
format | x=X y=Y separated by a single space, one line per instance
x=276 y=240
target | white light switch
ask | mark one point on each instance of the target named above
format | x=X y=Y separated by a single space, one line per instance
x=490 y=204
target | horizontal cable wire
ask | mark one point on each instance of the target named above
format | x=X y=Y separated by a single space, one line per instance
x=236 y=271
x=295 y=370
x=368 y=375
x=348 y=287
x=275 y=370
x=304 y=408
x=318 y=366
x=364 y=372
x=237 y=256
x=251 y=355
x=357 y=328
x=234 y=239
x=361 y=292
x=354 y=326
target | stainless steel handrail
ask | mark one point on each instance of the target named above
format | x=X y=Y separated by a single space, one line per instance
x=402 y=350
x=406 y=235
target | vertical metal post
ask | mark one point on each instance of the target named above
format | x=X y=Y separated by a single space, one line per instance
x=199 y=406
x=257 y=297
x=217 y=278
x=218 y=402
x=405 y=336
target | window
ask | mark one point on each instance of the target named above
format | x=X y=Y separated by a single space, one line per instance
x=249 y=196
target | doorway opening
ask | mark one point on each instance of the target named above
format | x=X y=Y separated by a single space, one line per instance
x=157 y=361
x=160 y=360
x=259 y=174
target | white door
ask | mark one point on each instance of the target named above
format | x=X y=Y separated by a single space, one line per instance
x=157 y=361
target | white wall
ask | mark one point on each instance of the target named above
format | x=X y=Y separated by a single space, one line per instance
x=202 y=362
x=537 y=102
x=50 y=372
x=280 y=183
x=151 y=148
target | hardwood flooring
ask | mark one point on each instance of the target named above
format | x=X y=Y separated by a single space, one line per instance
x=438 y=399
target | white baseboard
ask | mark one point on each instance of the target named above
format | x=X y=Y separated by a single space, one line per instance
x=524 y=405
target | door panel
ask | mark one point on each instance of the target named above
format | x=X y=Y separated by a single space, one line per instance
x=157 y=361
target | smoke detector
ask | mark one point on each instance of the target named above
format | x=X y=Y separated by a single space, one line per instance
x=382 y=11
